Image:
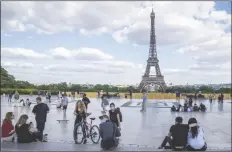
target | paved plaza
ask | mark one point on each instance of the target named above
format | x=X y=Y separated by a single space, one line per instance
x=140 y=131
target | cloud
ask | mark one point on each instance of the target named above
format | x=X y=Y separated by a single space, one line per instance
x=21 y=52
x=17 y=65
x=57 y=53
x=193 y=30
x=62 y=60
x=80 y=54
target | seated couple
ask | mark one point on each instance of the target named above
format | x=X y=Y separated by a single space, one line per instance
x=109 y=133
x=185 y=137
x=24 y=131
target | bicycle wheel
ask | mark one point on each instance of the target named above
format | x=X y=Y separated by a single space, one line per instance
x=95 y=134
x=78 y=130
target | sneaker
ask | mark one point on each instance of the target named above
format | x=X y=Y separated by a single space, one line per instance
x=85 y=141
x=160 y=147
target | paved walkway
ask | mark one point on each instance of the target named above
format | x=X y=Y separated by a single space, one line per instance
x=138 y=130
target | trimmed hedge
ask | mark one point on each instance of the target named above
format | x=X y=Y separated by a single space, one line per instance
x=26 y=91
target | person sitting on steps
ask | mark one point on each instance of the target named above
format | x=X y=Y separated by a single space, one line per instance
x=195 y=107
x=177 y=136
x=185 y=107
x=108 y=133
x=173 y=108
x=8 y=131
x=202 y=107
x=178 y=109
x=26 y=133
x=196 y=140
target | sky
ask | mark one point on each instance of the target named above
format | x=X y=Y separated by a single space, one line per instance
x=108 y=42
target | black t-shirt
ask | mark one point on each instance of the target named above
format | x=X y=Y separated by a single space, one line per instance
x=113 y=116
x=23 y=134
x=179 y=134
x=40 y=111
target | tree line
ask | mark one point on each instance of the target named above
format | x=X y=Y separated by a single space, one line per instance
x=9 y=84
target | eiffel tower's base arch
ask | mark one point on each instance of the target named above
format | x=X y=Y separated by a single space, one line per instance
x=161 y=85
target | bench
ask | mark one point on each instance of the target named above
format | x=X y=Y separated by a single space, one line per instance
x=62 y=121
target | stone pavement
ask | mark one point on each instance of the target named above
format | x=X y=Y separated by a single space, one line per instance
x=140 y=131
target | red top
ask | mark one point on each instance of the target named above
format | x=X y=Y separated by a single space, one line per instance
x=7 y=127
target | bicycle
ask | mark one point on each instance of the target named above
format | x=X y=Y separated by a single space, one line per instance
x=88 y=130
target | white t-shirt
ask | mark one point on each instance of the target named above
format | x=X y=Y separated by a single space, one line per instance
x=197 y=142
x=64 y=101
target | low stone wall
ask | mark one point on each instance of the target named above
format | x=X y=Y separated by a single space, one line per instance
x=153 y=95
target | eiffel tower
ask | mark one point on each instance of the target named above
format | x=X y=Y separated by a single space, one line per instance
x=147 y=79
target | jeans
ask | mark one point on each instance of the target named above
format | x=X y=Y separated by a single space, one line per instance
x=78 y=119
x=189 y=148
x=168 y=140
x=40 y=126
x=9 y=99
x=108 y=144
x=143 y=105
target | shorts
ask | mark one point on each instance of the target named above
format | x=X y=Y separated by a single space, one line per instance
x=65 y=107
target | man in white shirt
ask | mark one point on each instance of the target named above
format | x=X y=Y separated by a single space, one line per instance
x=64 y=101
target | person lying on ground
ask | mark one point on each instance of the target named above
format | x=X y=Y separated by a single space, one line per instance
x=8 y=131
x=196 y=140
x=177 y=136
x=26 y=133
x=108 y=133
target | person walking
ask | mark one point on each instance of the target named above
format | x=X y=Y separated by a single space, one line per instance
x=10 y=97
x=16 y=98
x=144 y=102
x=40 y=110
x=64 y=102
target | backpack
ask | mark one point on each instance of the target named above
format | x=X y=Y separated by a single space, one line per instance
x=120 y=114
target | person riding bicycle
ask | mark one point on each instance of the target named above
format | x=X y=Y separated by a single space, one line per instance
x=80 y=112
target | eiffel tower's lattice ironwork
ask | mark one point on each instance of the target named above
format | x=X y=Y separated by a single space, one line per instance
x=148 y=79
